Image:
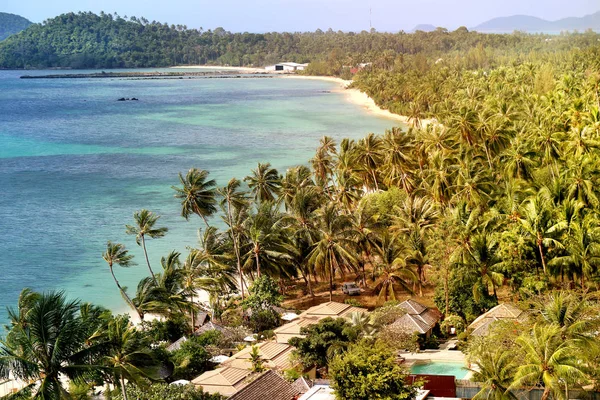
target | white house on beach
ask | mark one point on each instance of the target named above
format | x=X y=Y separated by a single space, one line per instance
x=286 y=67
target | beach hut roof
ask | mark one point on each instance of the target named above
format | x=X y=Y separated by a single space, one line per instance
x=502 y=312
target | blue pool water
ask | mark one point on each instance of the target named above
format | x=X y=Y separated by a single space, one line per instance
x=441 y=368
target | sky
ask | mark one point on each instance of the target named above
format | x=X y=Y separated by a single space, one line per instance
x=309 y=15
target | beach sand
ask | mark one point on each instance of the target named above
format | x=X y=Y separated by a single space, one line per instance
x=218 y=68
x=361 y=99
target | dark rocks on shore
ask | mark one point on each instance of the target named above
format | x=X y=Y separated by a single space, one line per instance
x=127 y=99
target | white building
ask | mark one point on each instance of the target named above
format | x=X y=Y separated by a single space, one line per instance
x=286 y=67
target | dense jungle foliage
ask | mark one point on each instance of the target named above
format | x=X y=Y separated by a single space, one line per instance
x=87 y=40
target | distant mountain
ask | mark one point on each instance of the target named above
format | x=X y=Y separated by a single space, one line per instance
x=11 y=24
x=533 y=24
x=424 y=28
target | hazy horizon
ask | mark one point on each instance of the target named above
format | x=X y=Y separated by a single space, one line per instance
x=309 y=15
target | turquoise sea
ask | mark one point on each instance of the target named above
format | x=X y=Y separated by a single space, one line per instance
x=75 y=164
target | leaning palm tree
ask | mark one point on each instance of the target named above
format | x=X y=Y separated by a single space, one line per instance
x=116 y=253
x=197 y=194
x=144 y=226
x=264 y=182
x=45 y=347
x=550 y=361
x=332 y=252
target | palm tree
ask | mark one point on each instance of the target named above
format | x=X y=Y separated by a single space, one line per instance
x=264 y=182
x=368 y=156
x=268 y=246
x=116 y=253
x=392 y=269
x=484 y=261
x=365 y=230
x=495 y=371
x=233 y=199
x=144 y=226
x=417 y=259
x=550 y=361
x=46 y=345
x=197 y=194
x=126 y=355
x=576 y=315
x=582 y=249
x=332 y=252
x=537 y=221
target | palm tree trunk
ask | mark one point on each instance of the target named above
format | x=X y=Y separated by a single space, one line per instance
x=257 y=263
x=375 y=180
x=541 y=250
x=124 y=294
x=236 y=248
x=193 y=318
x=546 y=394
x=147 y=260
x=123 y=390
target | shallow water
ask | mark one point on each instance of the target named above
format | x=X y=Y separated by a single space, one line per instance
x=75 y=164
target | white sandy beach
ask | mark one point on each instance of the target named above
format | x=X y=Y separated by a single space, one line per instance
x=359 y=98
x=353 y=95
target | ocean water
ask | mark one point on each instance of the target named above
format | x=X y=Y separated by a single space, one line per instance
x=75 y=164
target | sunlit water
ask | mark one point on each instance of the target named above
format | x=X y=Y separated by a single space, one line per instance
x=75 y=164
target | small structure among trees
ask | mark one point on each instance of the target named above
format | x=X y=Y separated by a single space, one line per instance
x=502 y=312
x=418 y=318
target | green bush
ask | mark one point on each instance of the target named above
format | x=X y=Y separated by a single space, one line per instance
x=191 y=359
x=162 y=391
x=367 y=371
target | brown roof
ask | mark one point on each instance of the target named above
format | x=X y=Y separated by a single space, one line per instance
x=418 y=318
x=302 y=385
x=331 y=309
x=226 y=380
x=502 y=312
x=275 y=355
x=267 y=386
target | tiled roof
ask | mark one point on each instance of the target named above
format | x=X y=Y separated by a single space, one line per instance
x=209 y=326
x=295 y=326
x=332 y=309
x=267 y=386
x=302 y=385
x=177 y=344
x=275 y=355
x=412 y=307
x=226 y=376
x=418 y=318
x=505 y=311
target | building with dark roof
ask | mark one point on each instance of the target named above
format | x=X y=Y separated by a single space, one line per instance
x=418 y=318
x=267 y=386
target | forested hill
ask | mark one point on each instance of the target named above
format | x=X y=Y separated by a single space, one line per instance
x=11 y=24
x=87 y=40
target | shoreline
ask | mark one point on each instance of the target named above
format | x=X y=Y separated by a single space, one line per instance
x=354 y=96
x=361 y=99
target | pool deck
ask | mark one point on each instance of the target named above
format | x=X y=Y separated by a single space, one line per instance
x=441 y=354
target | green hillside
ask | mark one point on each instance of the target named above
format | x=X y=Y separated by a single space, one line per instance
x=11 y=24
x=87 y=40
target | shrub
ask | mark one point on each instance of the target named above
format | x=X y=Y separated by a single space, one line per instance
x=367 y=371
x=162 y=391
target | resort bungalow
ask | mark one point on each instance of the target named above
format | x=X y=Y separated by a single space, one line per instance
x=502 y=312
x=225 y=381
x=274 y=356
x=286 y=67
x=269 y=385
x=312 y=316
x=418 y=318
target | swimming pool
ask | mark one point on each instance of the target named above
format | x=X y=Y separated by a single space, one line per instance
x=440 y=368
